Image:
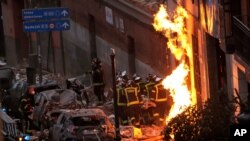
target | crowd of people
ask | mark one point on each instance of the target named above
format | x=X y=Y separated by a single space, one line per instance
x=141 y=102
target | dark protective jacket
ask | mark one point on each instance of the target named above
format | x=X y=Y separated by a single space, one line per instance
x=161 y=93
x=151 y=90
x=131 y=95
x=121 y=97
x=98 y=77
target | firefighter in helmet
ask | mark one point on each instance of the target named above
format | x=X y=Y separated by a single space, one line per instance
x=149 y=103
x=98 y=80
x=161 y=101
x=141 y=86
x=124 y=76
x=122 y=103
x=144 y=105
x=133 y=103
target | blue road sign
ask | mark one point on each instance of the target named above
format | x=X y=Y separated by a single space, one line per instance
x=42 y=26
x=45 y=13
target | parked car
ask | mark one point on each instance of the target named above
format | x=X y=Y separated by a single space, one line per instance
x=82 y=125
x=49 y=100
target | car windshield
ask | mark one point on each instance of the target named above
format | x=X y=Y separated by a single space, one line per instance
x=86 y=121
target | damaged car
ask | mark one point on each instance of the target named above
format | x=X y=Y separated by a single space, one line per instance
x=82 y=125
x=49 y=100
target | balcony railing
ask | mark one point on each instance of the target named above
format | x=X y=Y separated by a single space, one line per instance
x=241 y=35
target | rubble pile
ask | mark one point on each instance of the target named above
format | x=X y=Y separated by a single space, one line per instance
x=46 y=77
x=84 y=89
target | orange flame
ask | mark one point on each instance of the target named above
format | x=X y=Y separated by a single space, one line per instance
x=178 y=43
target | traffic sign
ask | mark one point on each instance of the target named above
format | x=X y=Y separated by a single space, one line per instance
x=42 y=26
x=45 y=13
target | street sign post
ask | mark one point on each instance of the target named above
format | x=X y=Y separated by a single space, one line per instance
x=42 y=26
x=45 y=19
x=45 y=13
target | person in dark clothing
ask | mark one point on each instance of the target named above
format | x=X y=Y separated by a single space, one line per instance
x=26 y=109
x=98 y=81
x=133 y=103
x=162 y=103
x=122 y=103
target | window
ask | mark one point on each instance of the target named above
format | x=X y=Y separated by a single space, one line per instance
x=119 y=24
x=109 y=15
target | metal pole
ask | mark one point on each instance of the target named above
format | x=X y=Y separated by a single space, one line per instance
x=39 y=58
x=63 y=53
x=117 y=128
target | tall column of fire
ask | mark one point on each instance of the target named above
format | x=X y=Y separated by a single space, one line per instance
x=181 y=89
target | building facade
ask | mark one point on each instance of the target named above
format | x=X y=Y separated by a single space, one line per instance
x=97 y=26
x=238 y=62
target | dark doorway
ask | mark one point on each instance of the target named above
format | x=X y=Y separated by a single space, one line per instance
x=2 y=45
x=216 y=66
x=92 y=37
x=131 y=55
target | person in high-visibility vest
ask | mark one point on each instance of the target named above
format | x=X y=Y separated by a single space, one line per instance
x=122 y=103
x=150 y=96
x=133 y=103
x=141 y=96
x=141 y=87
x=161 y=101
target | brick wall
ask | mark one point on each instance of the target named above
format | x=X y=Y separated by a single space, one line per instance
x=149 y=45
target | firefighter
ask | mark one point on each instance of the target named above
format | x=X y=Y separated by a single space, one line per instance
x=161 y=101
x=98 y=81
x=124 y=76
x=122 y=103
x=133 y=103
x=141 y=87
x=150 y=99
x=26 y=109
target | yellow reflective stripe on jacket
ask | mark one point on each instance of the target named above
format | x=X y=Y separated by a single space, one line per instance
x=134 y=91
x=156 y=114
x=119 y=103
x=133 y=103
x=147 y=88
x=157 y=99
x=139 y=86
x=162 y=99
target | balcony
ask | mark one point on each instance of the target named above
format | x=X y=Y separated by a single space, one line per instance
x=241 y=35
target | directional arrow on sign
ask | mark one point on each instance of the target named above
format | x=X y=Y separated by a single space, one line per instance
x=64 y=13
x=42 y=26
x=45 y=13
x=65 y=25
